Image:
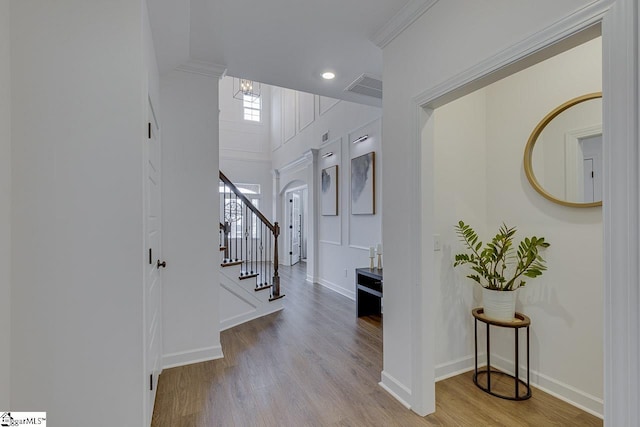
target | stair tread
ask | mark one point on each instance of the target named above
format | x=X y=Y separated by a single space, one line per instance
x=263 y=287
x=247 y=276
x=223 y=248
x=276 y=298
x=231 y=263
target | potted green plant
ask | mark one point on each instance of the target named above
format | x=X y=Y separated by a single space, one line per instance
x=500 y=267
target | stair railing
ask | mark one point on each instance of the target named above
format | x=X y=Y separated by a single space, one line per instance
x=249 y=238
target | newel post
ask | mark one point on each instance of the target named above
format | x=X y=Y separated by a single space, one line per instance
x=276 y=277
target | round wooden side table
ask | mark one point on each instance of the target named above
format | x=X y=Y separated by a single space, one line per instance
x=519 y=322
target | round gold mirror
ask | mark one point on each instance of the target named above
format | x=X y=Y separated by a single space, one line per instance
x=563 y=157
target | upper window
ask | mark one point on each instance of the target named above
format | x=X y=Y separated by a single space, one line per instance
x=252 y=107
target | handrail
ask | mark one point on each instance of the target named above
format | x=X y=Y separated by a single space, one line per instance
x=253 y=253
x=248 y=203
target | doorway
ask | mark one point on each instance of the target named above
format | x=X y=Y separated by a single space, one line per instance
x=498 y=117
x=296 y=236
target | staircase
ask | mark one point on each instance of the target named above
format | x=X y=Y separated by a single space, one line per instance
x=249 y=280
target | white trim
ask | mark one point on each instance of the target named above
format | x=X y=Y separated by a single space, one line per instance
x=312 y=280
x=457 y=367
x=359 y=247
x=496 y=67
x=188 y=357
x=396 y=389
x=244 y=291
x=297 y=165
x=359 y=130
x=421 y=268
x=565 y=392
x=493 y=68
x=247 y=317
x=297 y=188
x=329 y=242
x=401 y=20
x=324 y=148
x=337 y=289
x=558 y=389
x=573 y=160
x=333 y=104
x=203 y=68
x=300 y=126
x=621 y=215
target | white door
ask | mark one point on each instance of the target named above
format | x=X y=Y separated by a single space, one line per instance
x=153 y=264
x=592 y=162
x=295 y=226
x=588 y=181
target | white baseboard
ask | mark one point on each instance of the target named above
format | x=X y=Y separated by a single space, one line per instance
x=247 y=317
x=188 y=357
x=396 y=389
x=456 y=367
x=339 y=289
x=565 y=392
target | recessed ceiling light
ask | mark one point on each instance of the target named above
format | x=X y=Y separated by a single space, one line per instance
x=328 y=75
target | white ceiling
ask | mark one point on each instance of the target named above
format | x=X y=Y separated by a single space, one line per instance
x=286 y=43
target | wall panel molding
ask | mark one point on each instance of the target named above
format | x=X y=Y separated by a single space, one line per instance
x=306 y=107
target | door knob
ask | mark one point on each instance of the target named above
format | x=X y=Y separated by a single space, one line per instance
x=162 y=264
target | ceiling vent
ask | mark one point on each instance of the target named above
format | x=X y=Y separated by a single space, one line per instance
x=366 y=85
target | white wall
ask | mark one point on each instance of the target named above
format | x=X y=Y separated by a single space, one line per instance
x=78 y=120
x=565 y=304
x=436 y=47
x=339 y=118
x=460 y=193
x=343 y=241
x=190 y=217
x=479 y=178
x=243 y=139
x=5 y=204
x=245 y=146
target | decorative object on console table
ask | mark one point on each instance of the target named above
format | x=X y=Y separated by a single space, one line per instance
x=329 y=191
x=371 y=256
x=368 y=292
x=379 y=250
x=363 y=185
x=498 y=269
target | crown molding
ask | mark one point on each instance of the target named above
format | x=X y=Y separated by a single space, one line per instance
x=401 y=20
x=305 y=160
x=574 y=29
x=203 y=68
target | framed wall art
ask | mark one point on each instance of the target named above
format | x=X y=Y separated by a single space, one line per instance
x=363 y=185
x=329 y=190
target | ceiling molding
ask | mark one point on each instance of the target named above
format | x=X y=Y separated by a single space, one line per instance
x=203 y=68
x=405 y=17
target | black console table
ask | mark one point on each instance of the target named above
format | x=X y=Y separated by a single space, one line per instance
x=368 y=291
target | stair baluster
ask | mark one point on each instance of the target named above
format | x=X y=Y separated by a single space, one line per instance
x=259 y=251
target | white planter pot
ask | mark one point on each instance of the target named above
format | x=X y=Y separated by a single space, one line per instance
x=499 y=305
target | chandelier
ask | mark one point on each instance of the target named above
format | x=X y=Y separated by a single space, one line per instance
x=243 y=88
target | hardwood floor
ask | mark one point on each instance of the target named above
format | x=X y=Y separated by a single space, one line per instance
x=315 y=364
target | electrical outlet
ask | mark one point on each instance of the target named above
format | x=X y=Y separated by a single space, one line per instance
x=345 y=272
x=325 y=136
